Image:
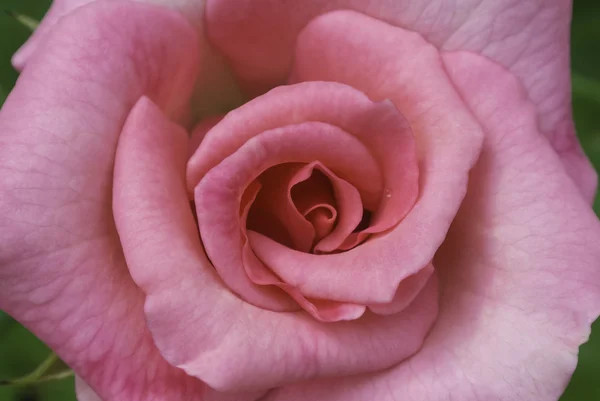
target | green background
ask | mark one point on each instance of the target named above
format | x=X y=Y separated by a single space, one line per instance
x=21 y=352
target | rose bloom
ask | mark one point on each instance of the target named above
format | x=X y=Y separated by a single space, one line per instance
x=298 y=200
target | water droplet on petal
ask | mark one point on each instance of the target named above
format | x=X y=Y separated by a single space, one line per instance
x=387 y=193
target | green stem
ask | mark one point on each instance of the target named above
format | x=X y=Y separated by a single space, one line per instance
x=38 y=374
x=28 y=22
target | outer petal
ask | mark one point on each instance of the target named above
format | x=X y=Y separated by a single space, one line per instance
x=215 y=91
x=520 y=269
x=85 y=392
x=62 y=272
x=58 y=9
x=530 y=38
x=199 y=325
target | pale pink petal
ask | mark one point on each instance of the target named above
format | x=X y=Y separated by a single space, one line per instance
x=406 y=292
x=365 y=275
x=60 y=8
x=520 y=270
x=322 y=310
x=85 y=392
x=57 y=10
x=530 y=38
x=330 y=311
x=198 y=324
x=62 y=271
x=215 y=90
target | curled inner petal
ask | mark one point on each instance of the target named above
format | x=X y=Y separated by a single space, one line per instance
x=316 y=202
x=309 y=202
x=314 y=187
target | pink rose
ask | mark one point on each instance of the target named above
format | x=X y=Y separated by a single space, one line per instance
x=396 y=208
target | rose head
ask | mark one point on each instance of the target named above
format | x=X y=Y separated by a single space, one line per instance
x=394 y=207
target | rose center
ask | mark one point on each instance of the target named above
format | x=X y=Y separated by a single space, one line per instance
x=315 y=201
x=300 y=205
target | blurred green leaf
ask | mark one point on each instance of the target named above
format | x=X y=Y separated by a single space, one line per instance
x=586 y=87
x=585 y=61
x=3 y=95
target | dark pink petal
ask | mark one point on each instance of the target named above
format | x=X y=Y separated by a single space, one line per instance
x=378 y=126
x=397 y=154
x=411 y=74
x=258 y=273
x=276 y=205
x=200 y=131
x=314 y=193
x=198 y=324
x=276 y=213
x=349 y=209
x=520 y=270
x=219 y=192
x=322 y=217
x=290 y=193
x=315 y=201
x=307 y=102
x=529 y=38
x=253 y=271
x=260 y=213
x=326 y=102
